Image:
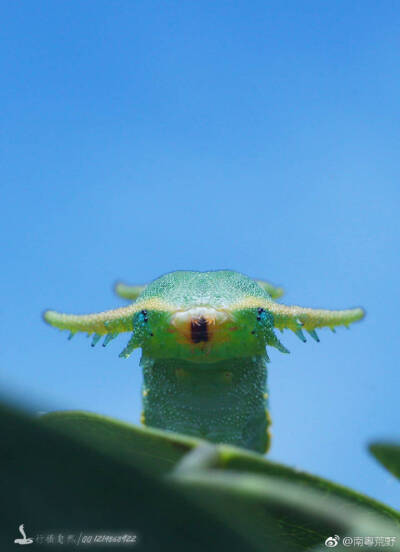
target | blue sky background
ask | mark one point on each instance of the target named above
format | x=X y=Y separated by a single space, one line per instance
x=139 y=138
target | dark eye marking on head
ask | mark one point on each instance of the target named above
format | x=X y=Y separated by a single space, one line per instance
x=260 y=312
x=199 y=330
x=145 y=318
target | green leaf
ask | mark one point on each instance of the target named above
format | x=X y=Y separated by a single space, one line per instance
x=387 y=454
x=155 y=451
x=247 y=461
x=55 y=483
x=242 y=489
x=304 y=516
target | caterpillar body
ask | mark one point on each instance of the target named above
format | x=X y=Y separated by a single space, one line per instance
x=203 y=337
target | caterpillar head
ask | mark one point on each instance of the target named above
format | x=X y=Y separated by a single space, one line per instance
x=202 y=317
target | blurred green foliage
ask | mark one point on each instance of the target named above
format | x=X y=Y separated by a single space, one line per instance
x=76 y=471
x=389 y=455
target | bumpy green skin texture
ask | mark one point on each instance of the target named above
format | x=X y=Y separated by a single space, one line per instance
x=210 y=382
x=219 y=288
x=224 y=401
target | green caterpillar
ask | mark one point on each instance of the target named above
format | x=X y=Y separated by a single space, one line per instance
x=203 y=337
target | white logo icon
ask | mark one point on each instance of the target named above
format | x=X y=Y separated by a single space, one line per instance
x=24 y=540
x=331 y=542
